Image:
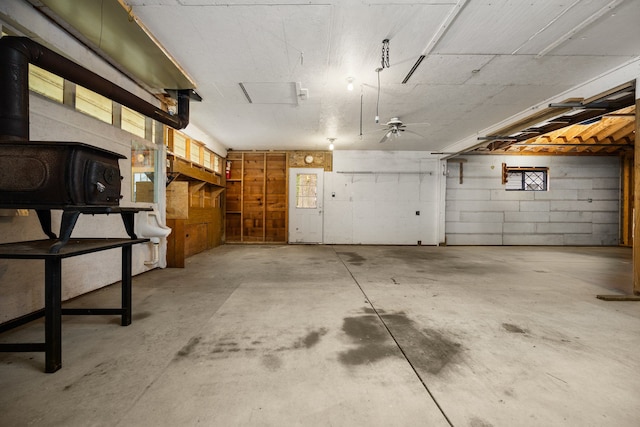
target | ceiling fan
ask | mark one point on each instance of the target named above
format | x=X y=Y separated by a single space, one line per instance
x=395 y=127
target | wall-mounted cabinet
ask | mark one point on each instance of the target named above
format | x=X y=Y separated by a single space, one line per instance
x=256 y=197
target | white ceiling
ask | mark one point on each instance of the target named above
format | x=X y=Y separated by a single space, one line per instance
x=486 y=60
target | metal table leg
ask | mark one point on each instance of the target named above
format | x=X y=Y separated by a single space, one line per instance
x=126 y=285
x=69 y=219
x=53 y=314
x=128 y=218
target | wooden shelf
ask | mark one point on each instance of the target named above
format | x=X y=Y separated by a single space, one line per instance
x=194 y=213
x=187 y=170
x=256 y=197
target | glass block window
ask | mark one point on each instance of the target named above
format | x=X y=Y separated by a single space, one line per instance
x=194 y=152
x=207 y=159
x=133 y=122
x=526 y=179
x=94 y=104
x=179 y=145
x=46 y=83
x=306 y=191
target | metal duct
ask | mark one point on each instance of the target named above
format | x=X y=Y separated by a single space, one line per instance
x=15 y=55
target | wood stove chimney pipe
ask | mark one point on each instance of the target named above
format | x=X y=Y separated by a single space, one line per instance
x=15 y=55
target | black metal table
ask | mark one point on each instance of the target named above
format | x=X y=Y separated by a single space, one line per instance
x=53 y=311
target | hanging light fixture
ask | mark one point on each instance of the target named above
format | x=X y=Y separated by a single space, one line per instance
x=331 y=146
x=350 y=83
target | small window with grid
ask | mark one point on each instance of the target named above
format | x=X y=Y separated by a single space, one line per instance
x=525 y=178
x=306 y=191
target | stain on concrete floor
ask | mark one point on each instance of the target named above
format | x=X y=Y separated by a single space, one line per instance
x=354 y=258
x=479 y=422
x=371 y=339
x=189 y=347
x=428 y=350
x=271 y=362
x=311 y=339
x=514 y=329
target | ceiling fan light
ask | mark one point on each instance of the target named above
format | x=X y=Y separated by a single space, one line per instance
x=350 y=84
x=331 y=146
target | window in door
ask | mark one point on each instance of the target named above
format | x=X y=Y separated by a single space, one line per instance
x=306 y=191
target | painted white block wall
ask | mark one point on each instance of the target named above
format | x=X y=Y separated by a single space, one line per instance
x=21 y=281
x=581 y=206
x=372 y=197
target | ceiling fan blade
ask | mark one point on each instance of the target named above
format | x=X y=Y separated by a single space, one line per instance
x=375 y=131
x=418 y=124
x=417 y=134
x=385 y=137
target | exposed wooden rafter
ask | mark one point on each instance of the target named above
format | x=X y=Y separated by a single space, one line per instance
x=610 y=135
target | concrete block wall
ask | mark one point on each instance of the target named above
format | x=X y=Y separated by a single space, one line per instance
x=581 y=206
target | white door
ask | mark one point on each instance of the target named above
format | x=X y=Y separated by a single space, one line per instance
x=305 y=205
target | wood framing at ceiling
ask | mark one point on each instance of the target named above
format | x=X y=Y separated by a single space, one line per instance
x=612 y=135
x=602 y=126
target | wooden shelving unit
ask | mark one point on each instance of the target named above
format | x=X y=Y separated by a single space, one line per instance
x=256 y=198
x=194 y=198
x=194 y=210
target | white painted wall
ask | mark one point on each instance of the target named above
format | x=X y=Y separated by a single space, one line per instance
x=21 y=282
x=371 y=197
x=580 y=208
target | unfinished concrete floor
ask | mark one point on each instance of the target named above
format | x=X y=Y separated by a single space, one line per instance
x=347 y=336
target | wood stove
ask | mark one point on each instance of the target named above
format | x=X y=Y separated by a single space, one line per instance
x=71 y=176
x=46 y=175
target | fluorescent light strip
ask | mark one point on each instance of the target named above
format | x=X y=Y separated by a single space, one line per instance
x=413 y=69
x=246 y=94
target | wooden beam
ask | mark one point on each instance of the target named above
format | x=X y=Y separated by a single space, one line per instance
x=636 y=210
x=626 y=205
x=603 y=129
x=623 y=132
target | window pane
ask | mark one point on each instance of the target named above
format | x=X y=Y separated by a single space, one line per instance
x=306 y=191
x=179 y=145
x=46 y=83
x=207 y=159
x=534 y=181
x=194 y=153
x=133 y=122
x=514 y=181
x=94 y=104
x=527 y=180
x=143 y=170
